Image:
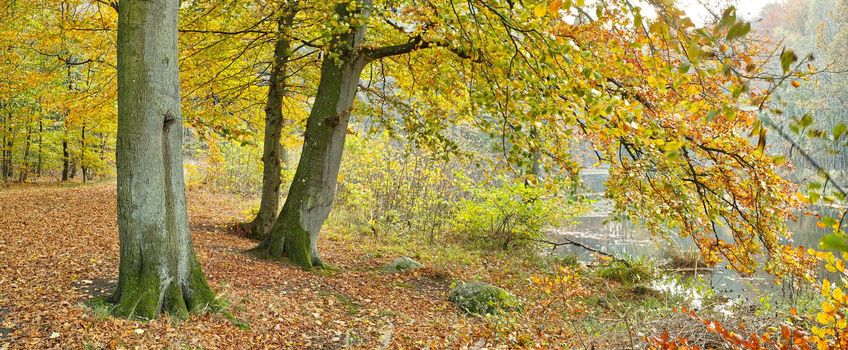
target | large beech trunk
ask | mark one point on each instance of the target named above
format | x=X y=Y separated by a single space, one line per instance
x=310 y=198
x=158 y=268
x=273 y=154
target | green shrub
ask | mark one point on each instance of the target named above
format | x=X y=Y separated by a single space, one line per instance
x=387 y=188
x=567 y=260
x=628 y=271
x=510 y=213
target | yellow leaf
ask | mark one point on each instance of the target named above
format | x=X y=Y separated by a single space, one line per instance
x=824 y=318
x=828 y=308
x=540 y=10
x=825 y=291
x=554 y=6
x=795 y=83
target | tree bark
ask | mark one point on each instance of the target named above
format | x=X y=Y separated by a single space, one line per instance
x=22 y=176
x=8 y=163
x=3 y=123
x=158 y=271
x=66 y=155
x=82 y=154
x=295 y=232
x=40 y=139
x=273 y=153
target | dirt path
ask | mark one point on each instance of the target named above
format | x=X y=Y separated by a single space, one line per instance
x=58 y=248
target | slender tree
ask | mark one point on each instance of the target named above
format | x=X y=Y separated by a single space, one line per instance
x=310 y=198
x=158 y=268
x=273 y=153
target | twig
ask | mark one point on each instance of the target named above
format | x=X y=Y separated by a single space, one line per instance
x=568 y=241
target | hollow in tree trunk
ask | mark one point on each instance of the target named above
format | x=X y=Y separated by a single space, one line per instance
x=158 y=270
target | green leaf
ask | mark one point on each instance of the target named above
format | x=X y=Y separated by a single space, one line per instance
x=787 y=58
x=835 y=242
x=738 y=30
x=839 y=130
x=712 y=114
x=805 y=121
x=728 y=17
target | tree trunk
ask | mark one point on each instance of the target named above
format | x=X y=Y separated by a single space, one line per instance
x=73 y=168
x=82 y=154
x=66 y=155
x=3 y=123
x=310 y=198
x=102 y=151
x=158 y=267
x=7 y=150
x=40 y=139
x=273 y=151
x=25 y=160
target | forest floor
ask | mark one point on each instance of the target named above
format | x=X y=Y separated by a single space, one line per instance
x=59 y=249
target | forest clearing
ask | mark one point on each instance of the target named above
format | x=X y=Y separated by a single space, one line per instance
x=423 y=174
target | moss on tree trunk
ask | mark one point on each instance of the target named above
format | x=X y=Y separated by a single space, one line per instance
x=158 y=269
x=294 y=234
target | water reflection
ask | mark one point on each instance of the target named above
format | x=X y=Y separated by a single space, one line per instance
x=625 y=238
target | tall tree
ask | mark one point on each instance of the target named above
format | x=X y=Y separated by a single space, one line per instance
x=646 y=94
x=295 y=231
x=158 y=269
x=273 y=154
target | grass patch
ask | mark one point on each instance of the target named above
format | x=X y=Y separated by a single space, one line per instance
x=241 y=324
x=100 y=308
x=350 y=306
x=628 y=271
x=677 y=258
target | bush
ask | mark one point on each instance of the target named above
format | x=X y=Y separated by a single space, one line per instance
x=387 y=188
x=228 y=167
x=629 y=271
x=510 y=213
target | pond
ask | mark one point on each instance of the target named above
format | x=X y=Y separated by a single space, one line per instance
x=623 y=238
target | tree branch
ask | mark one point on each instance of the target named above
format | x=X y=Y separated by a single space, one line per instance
x=416 y=43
